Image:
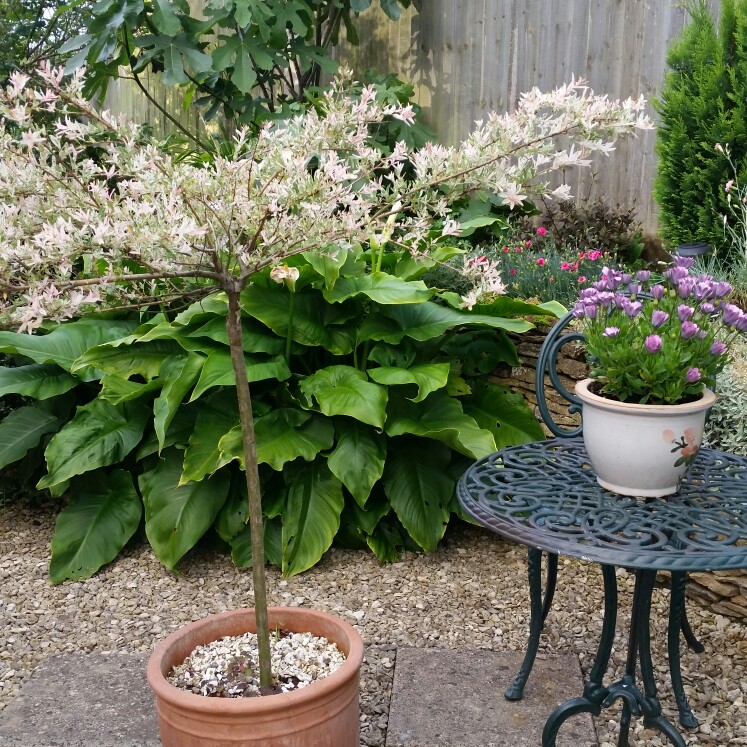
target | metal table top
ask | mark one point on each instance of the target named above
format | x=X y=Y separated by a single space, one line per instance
x=545 y=495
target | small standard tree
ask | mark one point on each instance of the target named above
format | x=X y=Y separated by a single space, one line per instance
x=94 y=216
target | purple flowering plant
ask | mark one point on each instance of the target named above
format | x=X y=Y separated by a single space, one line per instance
x=657 y=339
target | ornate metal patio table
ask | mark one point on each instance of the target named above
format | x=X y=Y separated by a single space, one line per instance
x=545 y=496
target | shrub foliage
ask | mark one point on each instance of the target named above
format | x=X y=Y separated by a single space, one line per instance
x=703 y=103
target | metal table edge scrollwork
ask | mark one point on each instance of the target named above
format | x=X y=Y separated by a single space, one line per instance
x=545 y=495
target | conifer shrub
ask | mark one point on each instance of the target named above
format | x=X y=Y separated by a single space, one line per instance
x=703 y=103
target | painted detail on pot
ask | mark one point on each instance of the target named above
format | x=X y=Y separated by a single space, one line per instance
x=631 y=446
x=688 y=445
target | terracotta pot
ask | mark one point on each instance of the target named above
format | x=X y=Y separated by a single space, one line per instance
x=641 y=450
x=323 y=714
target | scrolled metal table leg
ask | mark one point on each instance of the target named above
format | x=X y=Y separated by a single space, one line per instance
x=649 y=705
x=594 y=692
x=693 y=643
x=677 y=622
x=550 y=583
x=515 y=691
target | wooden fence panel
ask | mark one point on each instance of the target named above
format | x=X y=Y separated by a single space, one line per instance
x=467 y=57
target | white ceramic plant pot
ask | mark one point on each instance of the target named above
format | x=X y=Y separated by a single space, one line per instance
x=641 y=450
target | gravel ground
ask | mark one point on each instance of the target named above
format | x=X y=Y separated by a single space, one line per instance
x=471 y=593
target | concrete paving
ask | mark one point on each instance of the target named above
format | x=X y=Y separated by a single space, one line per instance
x=445 y=698
x=441 y=698
x=83 y=700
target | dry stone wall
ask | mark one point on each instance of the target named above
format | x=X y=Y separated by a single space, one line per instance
x=724 y=592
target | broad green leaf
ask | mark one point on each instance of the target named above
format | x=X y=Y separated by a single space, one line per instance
x=281 y=436
x=241 y=545
x=103 y=514
x=213 y=305
x=244 y=76
x=439 y=417
x=100 y=434
x=480 y=351
x=428 y=320
x=116 y=390
x=22 y=430
x=231 y=519
x=216 y=417
x=428 y=377
x=311 y=517
x=381 y=288
x=391 y=8
x=343 y=390
x=315 y=322
x=164 y=18
x=173 y=69
x=505 y=414
x=177 y=434
x=37 y=380
x=328 y=264
x=67 y=342
x=554 y=307
x=390 y=539
x=225 y=53
x=253 y=340
x=181 y=335
x=376 y=508
x=179 y=376
x=218 y=371
x=129 y=357
x=176 y=515
x=419 y=488
x=358 y=458
x=508 y=306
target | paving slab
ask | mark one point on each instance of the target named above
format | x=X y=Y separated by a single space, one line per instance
x=83 y=700
x=454 y=698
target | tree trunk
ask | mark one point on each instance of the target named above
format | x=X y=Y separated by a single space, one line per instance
x=234 y=329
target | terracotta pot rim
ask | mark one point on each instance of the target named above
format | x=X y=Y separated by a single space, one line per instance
x=163 y=689
x=707 y=399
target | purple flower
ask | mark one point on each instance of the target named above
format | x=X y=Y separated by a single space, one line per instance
x=675 y=274
x=689 y=329
x=653 y=344
x=722 y=288
x=692 y=375
x=684 y=312
x=707 y=307
x=611 y=331
x=704 y=289
x=590 y=311
x=632 y=308
x=634 y=289
x=742 y=323
x=657 y=292
x=685 y=287
x=578 y=311
x=643 y=275
x=625 y=278
x=732 y=314
x=659 y=317
x=684 y=262
x=611 y=279
x=718 y=348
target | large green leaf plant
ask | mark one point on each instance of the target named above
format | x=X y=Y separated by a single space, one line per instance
x=362 y=421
